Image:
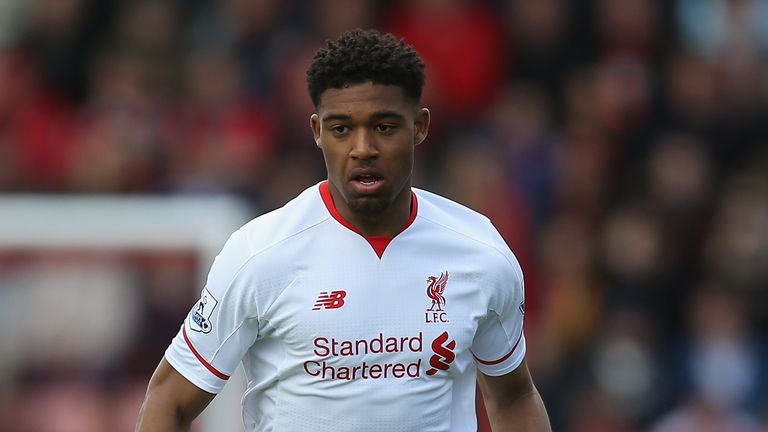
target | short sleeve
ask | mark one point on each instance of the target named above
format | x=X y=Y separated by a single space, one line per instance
x=222 y=325
x=499 y=343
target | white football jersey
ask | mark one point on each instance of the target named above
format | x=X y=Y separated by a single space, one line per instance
x=339 y=332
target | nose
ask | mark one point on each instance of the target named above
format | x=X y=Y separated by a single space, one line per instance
x=363 y=145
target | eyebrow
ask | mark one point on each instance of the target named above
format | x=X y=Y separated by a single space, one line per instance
x=331 y=117
x=375 y=116
x=387 y=114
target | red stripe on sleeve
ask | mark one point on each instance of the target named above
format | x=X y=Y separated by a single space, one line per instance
x=207 y=365
x=506 y=356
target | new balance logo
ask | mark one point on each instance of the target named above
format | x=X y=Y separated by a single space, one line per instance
x=334 y=300
x=443 y=356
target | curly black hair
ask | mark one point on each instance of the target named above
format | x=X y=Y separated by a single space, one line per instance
x=360 y=56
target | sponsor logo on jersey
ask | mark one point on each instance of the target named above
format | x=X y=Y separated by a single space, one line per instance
x=444 y=356
x=435 y=288
x=200 y=316
x=330 y=363
x=332 y=300
x=379 y=357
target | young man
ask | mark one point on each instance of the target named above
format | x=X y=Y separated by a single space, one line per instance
x=363 y=304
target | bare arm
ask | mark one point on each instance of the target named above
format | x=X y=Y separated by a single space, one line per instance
x=513 y=403
x=171 y=402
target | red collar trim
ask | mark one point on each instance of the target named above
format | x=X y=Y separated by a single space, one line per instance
x=378 y=243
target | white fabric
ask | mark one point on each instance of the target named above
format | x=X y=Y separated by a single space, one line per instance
x=334 y=338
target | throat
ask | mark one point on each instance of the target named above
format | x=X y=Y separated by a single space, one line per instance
x=370 y=218
x=377 y=226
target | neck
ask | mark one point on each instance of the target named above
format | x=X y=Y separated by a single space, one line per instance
x=387 y=223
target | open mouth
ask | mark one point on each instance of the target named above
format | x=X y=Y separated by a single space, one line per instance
x=366 y=183
x=367 y=179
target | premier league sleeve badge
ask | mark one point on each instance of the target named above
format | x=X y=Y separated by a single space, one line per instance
x=200 y=315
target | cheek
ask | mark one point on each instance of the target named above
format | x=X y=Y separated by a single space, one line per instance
x=333 y=160
x=405 y=153
x=402 y=163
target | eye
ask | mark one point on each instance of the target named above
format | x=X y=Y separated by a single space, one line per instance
x=339 y=129
x=384 y=127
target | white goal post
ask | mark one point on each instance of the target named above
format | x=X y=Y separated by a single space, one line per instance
x=196 y=223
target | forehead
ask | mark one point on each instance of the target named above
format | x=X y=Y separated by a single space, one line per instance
x=364 y=99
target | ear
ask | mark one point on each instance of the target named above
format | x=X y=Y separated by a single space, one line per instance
x=314 y=123
x=421 y=125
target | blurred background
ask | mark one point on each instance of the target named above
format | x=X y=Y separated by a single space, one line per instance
x=620 y=146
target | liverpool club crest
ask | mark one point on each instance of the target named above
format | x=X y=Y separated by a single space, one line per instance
x=435 y=288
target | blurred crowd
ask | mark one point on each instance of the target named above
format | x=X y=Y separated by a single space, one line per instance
x=620 y=146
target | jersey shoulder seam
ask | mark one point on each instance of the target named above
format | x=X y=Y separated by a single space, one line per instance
x=274 y=243
x=477 y=240
x=252 y=256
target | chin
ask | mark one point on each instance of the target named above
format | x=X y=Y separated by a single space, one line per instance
x=368 y=206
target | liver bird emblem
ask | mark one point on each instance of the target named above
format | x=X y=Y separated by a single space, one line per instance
x=435 y=288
